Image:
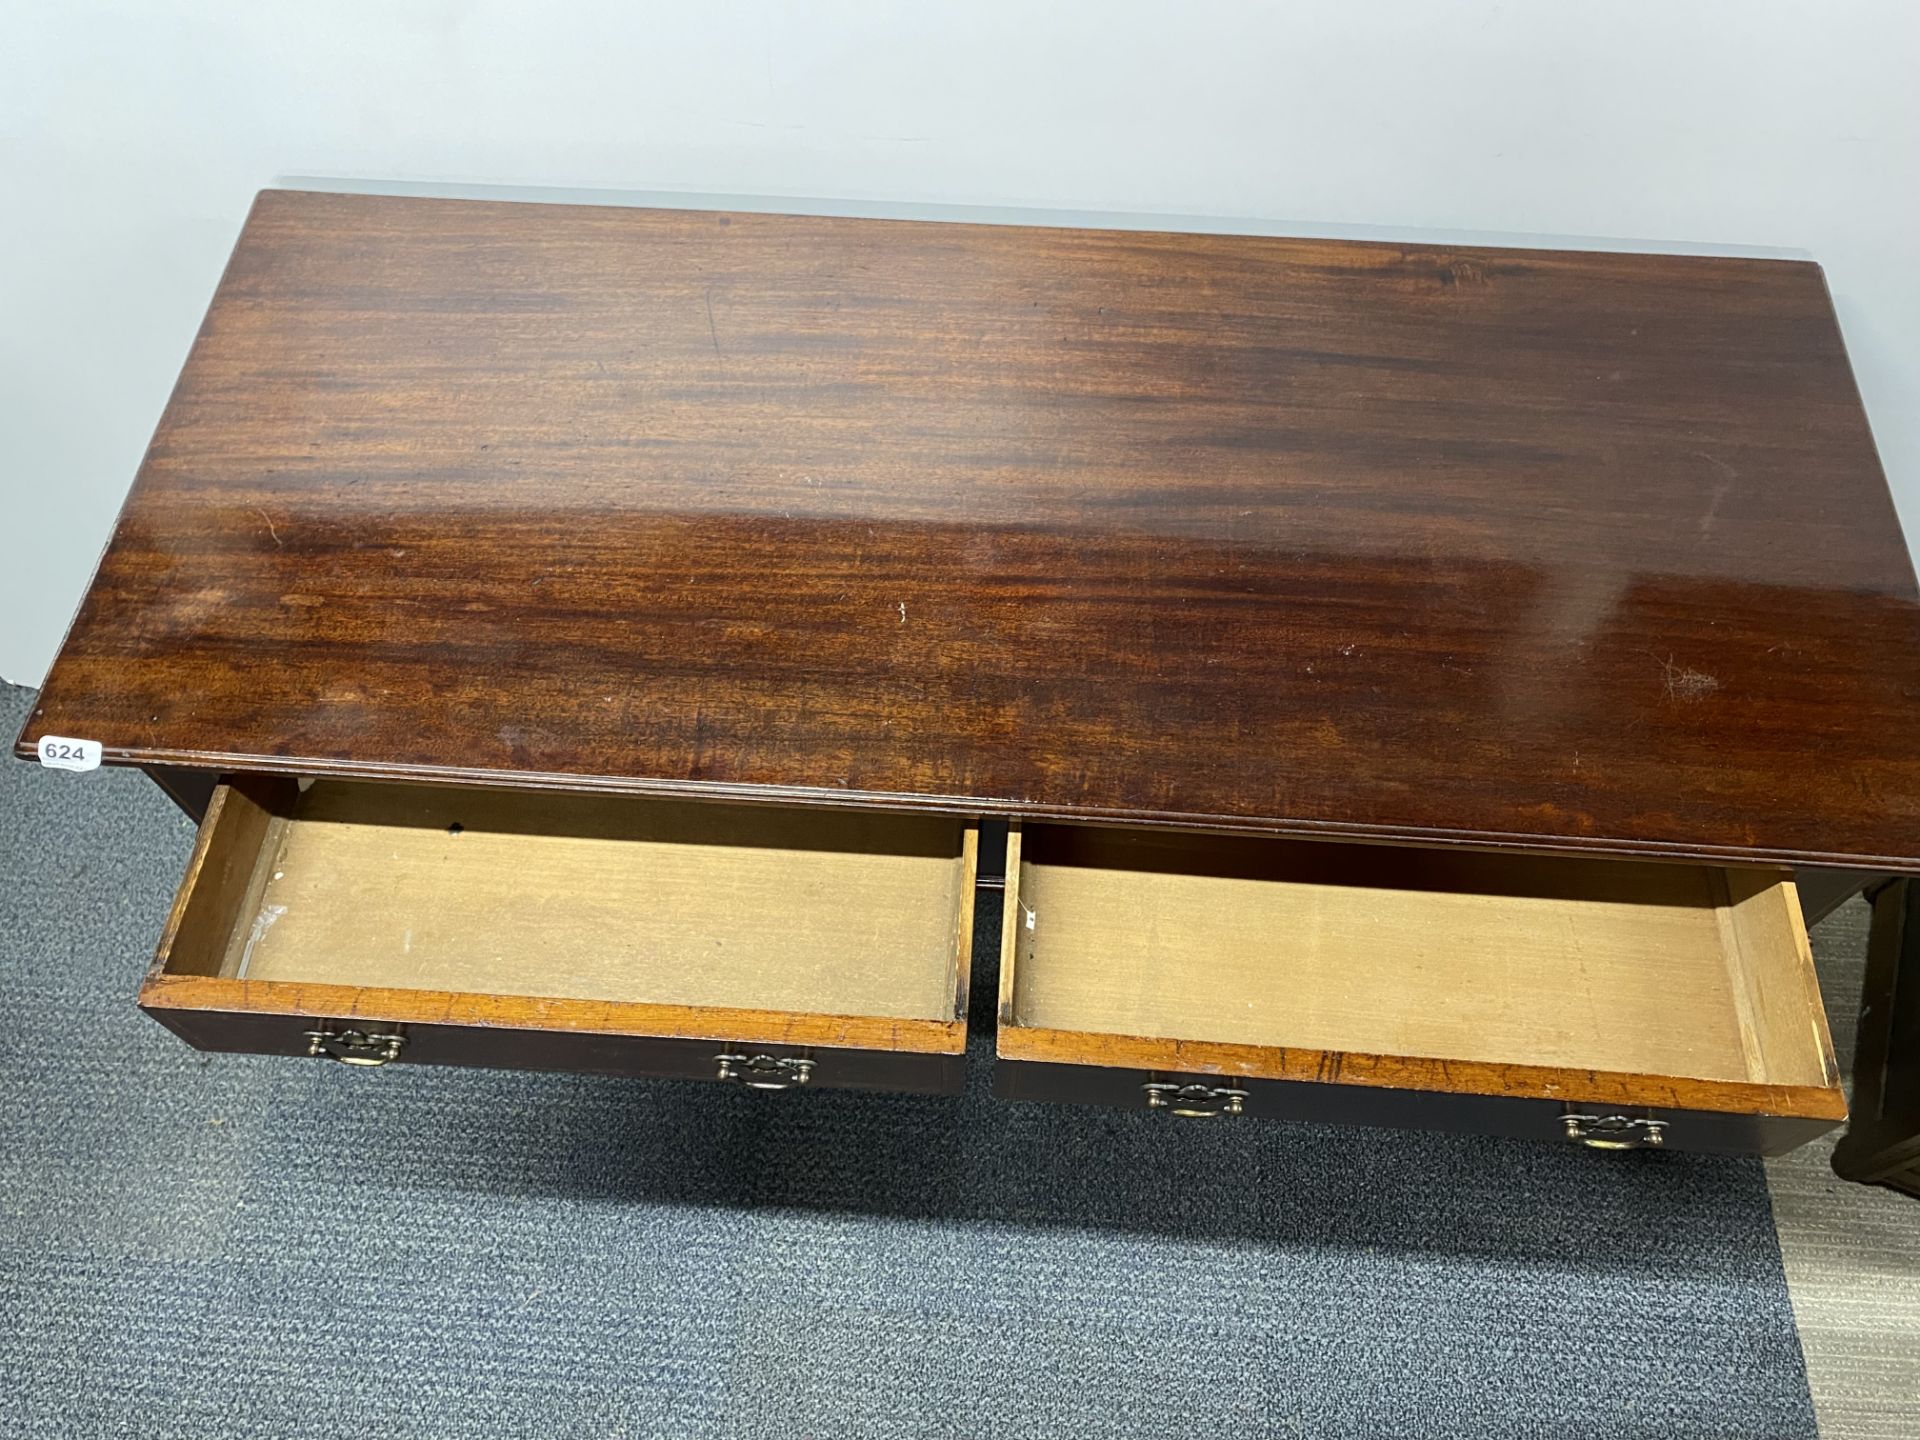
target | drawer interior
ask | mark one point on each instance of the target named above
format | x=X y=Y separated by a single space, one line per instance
x=581 y=898
x=1582 y=965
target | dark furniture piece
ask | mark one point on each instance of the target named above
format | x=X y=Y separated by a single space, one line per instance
x=1410 y=676
x=1883 y=1145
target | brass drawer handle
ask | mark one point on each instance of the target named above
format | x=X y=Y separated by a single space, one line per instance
x=1191 y=1098
x=1613 y=1132
x=356 y=1047
x=764 y=1072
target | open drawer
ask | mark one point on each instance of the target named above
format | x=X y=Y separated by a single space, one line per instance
x=1614 y=1003
x=770 y=947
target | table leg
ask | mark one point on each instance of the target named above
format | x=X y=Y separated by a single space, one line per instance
x=1882 y=1143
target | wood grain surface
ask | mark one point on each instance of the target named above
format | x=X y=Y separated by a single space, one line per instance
x=1505 y=547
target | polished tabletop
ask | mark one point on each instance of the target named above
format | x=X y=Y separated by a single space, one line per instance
x=1542 y=549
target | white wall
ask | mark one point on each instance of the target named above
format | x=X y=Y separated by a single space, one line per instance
x=133 y=135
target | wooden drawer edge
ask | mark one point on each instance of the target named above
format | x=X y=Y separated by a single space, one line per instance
x=516 y=1012
x=1395 y=1072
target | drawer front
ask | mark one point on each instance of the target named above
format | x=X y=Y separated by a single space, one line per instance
x=769 y=949
x=1197 y=1098
x=1610 y=1004
x=750 y=1065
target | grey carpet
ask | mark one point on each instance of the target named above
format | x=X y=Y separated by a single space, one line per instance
x=227 y=1246
x=1852 y=1252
